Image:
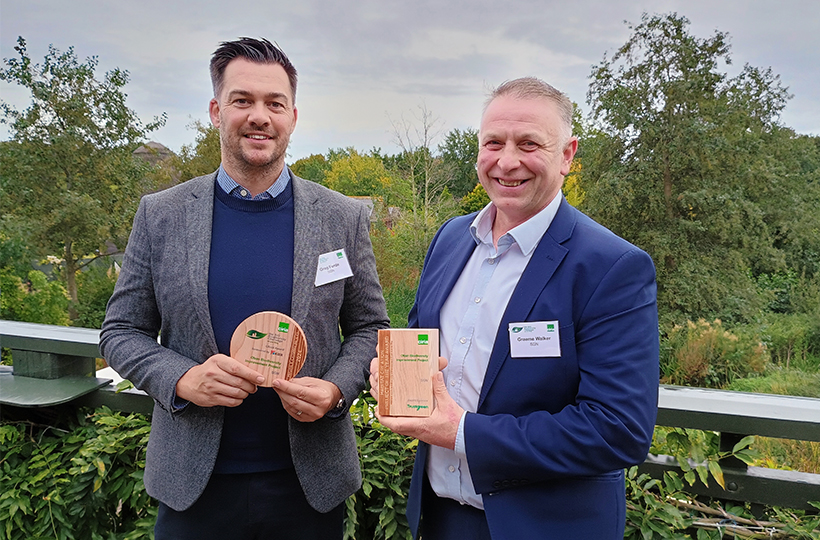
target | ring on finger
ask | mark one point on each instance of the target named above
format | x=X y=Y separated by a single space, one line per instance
x=298 y=413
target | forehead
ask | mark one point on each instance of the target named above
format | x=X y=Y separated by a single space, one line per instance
x=520 y=116
x=242 y=75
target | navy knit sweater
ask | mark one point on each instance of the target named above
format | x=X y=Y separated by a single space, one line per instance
x=251 y=270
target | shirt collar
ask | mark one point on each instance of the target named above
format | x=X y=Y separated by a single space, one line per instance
x=527 y=235
x=232 y=187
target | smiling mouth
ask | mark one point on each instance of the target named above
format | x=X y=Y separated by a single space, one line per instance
x=258 y=137
x=510 y=183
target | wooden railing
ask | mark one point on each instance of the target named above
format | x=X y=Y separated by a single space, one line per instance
x=55 y=365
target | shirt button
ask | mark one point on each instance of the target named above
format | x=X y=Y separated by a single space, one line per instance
x=491 y=261
x=477 y=299
x=463 y=340
x=451 y=468
x=452 y=383
x=243 y=193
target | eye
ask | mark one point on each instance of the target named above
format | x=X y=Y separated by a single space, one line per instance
x=529 y=146
x=493 y=145
x=242 y=102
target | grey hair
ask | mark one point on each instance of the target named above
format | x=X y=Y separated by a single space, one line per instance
x=534 y=88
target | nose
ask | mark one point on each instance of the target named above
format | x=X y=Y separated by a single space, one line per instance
x=257 y=115
x=508 y=158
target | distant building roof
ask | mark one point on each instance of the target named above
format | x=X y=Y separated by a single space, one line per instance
x=153 y=152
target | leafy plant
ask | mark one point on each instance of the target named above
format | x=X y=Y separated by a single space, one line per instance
x=376 y=511
x=704 y=354
x=84 y=482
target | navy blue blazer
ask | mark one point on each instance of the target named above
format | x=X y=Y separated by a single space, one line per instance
x=552 y=436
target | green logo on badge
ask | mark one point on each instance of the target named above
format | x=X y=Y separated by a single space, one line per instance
x=423 y=339
x=516 y=329
x=340 y=255
x=255 y=334
x=550 y=328
x=284 y=327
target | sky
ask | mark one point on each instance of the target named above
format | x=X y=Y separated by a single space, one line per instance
x=366 y=67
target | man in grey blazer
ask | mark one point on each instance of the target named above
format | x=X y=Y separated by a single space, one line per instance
x=226 y=458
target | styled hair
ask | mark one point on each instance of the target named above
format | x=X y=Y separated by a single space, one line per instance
x=260 y=51
x=534 y=88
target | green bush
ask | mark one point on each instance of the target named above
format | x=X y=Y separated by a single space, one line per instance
x=376 y=511
x=80 y=483
x=704 y=354
x=94 y=287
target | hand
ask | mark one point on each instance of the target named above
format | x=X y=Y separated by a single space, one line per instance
x=306 y=398
x=440 y=428
x=220 y=380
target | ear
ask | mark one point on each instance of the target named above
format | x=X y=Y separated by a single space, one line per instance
x=569 y=153
x=295 y=116
x=213 y=110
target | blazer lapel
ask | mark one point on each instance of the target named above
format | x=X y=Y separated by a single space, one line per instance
x=306 y=211
x=199 y=211
x=542 y=266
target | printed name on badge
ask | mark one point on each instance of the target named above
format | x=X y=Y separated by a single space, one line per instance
x=332 y=266
x=535 y=339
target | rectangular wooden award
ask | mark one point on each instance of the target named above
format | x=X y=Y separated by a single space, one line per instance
x=408 y=359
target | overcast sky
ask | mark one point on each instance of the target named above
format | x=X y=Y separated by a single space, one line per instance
x=364 y=65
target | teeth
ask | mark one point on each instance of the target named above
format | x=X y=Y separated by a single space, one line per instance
x=258 y=137
x=512 y=183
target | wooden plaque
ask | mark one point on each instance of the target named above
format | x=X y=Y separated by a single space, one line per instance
x=272 y=344
x=408 y=359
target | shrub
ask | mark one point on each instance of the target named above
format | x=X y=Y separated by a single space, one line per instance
x=704 y=354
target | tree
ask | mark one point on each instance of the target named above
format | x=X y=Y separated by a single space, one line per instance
x=68 y=170
x=314 y=167
x=679 y=160
x=459 y=151
x=358 y=175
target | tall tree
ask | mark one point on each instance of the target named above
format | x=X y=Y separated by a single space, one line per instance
x=68 y=169
x=679 y=160
x=358 y=175
x=459 y=151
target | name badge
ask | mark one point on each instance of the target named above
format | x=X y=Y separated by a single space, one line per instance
x=332 y=266
x=534 y=339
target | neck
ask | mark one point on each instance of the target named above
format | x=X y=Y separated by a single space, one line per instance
x=254 y=179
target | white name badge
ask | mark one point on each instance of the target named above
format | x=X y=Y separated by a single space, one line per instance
x=332 y=266
x=534 y=339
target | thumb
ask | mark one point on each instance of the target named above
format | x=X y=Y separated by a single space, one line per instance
x=439 y=388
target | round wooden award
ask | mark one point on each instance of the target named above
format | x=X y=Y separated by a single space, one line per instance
x=270 y=343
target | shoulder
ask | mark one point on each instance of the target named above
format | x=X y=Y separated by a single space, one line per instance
x=201 y=186
x=598 y=245
x=311 y=193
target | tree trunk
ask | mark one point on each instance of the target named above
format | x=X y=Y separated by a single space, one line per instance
x=71 y=281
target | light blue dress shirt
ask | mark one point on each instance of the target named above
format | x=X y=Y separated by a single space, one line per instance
x=231 y=187
x=469 y=324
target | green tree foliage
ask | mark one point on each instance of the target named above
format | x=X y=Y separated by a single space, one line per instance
x=683 y=160
x=68 y=170
x=475 y=200
x=201 y=157
x=314 y=167
x=358 y=175
x=459 y=152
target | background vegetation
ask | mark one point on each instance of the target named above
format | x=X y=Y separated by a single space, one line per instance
x=682 y=154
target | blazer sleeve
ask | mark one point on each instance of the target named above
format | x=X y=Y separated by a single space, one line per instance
x=607 y=423
x=362 y=313
x=128 y=339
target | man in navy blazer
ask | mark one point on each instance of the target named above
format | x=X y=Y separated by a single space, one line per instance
x=549 y=328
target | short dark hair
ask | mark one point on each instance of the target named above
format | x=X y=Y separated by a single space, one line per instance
x=260 y=51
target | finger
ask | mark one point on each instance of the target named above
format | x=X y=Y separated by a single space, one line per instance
x=442 y=363
x=238 y=369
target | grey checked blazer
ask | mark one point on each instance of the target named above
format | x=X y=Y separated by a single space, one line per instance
x=163 y=291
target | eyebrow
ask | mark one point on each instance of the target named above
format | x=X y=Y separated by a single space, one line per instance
x=270 y=95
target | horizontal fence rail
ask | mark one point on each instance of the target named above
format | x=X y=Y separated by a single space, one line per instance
x=56 y=364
